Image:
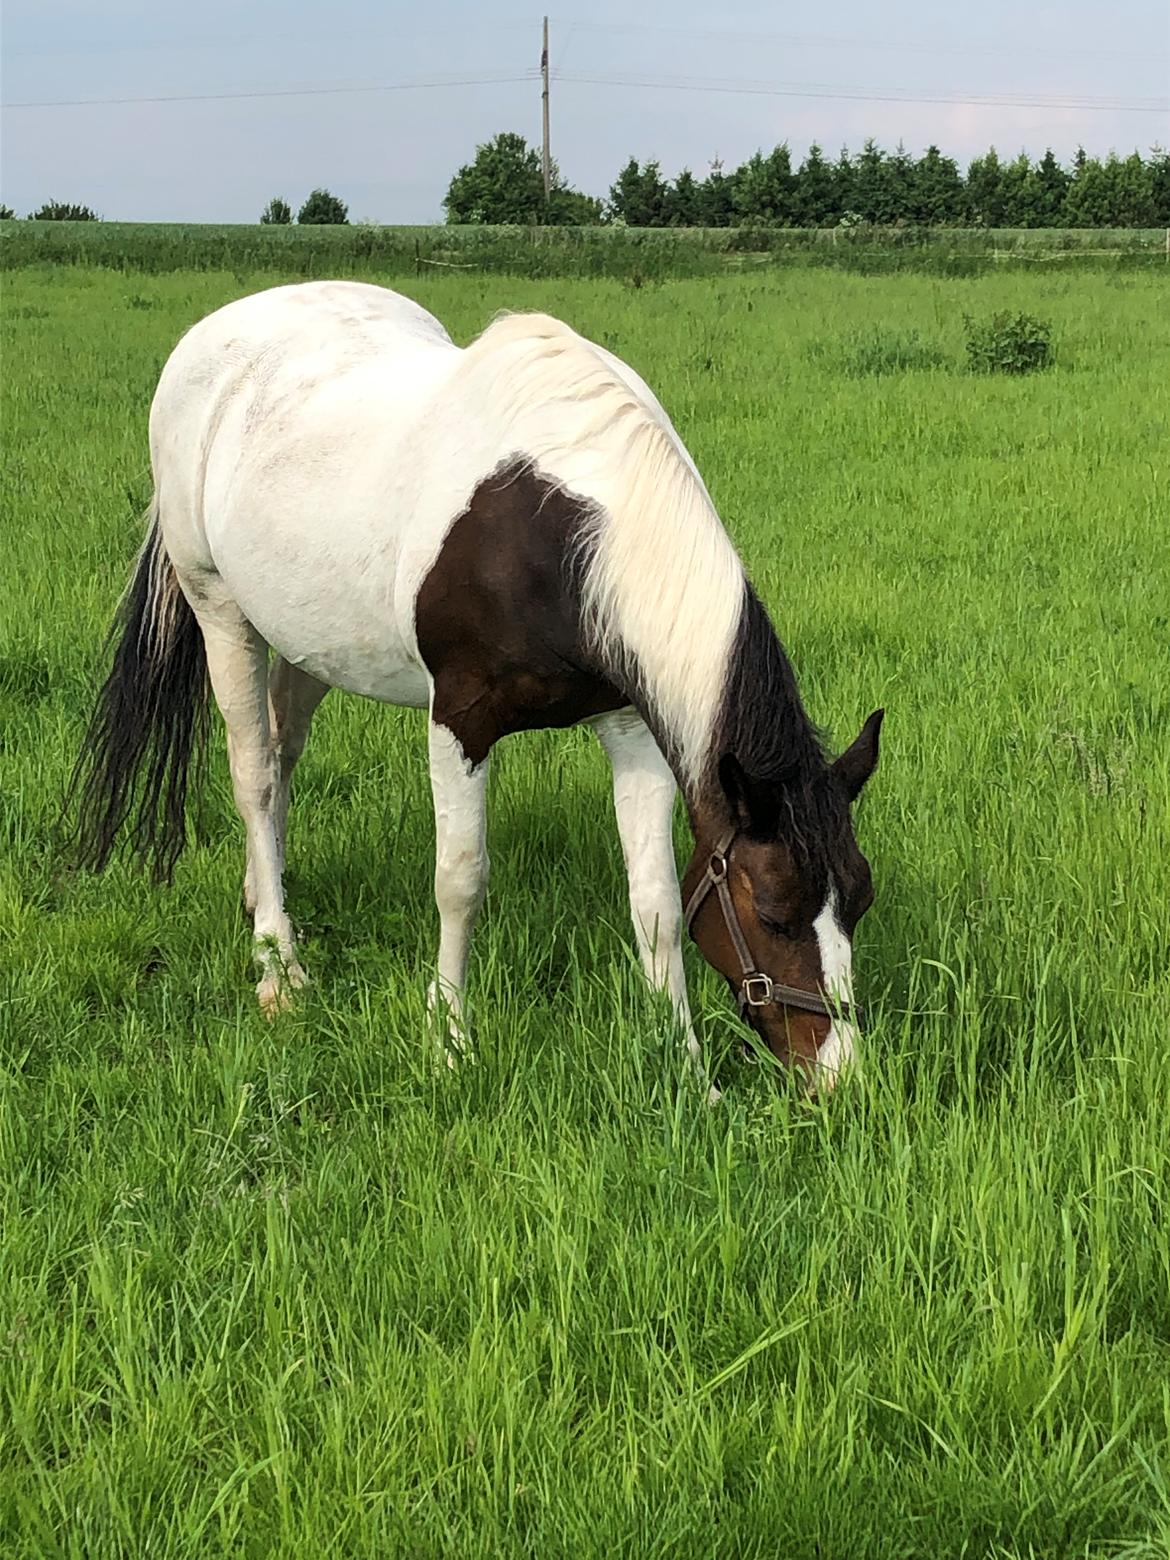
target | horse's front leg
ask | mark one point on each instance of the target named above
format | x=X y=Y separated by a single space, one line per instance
x=643 y=794
x=459 y=790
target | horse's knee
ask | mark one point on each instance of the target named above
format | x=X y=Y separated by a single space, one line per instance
x=460 y=881
x=660 y=924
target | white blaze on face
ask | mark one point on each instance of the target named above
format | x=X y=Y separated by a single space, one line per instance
x=837 y=1049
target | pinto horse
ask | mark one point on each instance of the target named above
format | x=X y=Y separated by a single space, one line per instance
x=509 y=536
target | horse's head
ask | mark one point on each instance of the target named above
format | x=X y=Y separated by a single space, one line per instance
x=773 y=893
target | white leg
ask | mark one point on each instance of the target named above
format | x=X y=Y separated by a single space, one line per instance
x=643 y=795
x=237 y=664
x=293 y=697
x=459 y=790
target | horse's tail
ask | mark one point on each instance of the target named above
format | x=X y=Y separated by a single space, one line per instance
x=149 y=724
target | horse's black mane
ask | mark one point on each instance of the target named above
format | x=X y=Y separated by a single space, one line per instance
x=765 y=726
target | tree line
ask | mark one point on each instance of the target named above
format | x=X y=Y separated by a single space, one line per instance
x=504 y=184
x=320 y=209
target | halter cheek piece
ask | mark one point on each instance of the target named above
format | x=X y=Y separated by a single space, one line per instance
x=756 y=989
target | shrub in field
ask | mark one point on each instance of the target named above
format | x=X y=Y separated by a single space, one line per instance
x=63 y=211
x=6 y=213
x=323 y=210
x=1008 y=344
x=277 y=213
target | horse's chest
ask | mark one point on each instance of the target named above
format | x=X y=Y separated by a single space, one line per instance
x=497 y=617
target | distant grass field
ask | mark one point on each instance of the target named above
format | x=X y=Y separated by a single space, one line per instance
x=641 y=254
x=284 y=1291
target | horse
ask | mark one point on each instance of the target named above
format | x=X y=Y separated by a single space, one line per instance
x=510 y=536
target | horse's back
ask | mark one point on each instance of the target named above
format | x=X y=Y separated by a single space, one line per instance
x=287 y=339
x=356 y=314
x=284 y=440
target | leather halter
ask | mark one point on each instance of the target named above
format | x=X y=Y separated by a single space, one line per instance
x=756 y=989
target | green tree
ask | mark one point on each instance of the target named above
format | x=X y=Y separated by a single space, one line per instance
x=1113 y=193
x=1016 y=193
x=765 y=189
x=63 y=211
x=985 y=194
x=1047 y=188
x=815 y=201
x=1159 y=175
x=277 y=211
x=6 y=213
x=571 y=208
x=844 y=184
x=638 y=196
x=684 y=201
x=323 y=210
x=716 y=198
x=1134 y=204
x=870 y=196
x=898 y=187
x=502 y=184
x=936 y=193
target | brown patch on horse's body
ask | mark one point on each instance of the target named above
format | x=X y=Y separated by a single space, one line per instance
x=498 y=618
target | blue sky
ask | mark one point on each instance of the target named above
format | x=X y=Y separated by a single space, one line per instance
x=391 y=153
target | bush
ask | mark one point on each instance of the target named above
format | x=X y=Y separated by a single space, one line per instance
x=63 y=211
x=323 y=210
x=6 y=213
x=277 y=213
x=1008 y=344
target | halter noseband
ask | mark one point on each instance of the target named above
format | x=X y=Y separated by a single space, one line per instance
x=756 y=989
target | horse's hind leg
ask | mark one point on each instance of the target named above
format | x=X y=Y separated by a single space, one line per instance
x=293 y=697
x=237 y=664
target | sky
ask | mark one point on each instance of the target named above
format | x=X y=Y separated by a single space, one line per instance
x=423 y=85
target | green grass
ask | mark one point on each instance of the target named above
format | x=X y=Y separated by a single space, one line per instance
x=637 y=254
x=283 y=1290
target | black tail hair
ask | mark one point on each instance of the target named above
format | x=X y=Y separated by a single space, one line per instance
x=149 y=725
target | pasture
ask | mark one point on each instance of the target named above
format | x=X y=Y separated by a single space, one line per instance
x=284 y=1289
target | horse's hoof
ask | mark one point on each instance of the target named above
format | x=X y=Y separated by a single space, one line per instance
x=457 y=1050
x=274 y=991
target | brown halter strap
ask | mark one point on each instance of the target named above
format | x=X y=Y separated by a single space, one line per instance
x=756 y=989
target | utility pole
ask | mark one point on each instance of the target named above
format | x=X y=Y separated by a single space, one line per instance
x=545 y=160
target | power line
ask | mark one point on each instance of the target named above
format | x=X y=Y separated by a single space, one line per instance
x=496 y=79
x=238 y=40
x=814 y=40
x=658 y=83
x=866 y=95
x=809 y=40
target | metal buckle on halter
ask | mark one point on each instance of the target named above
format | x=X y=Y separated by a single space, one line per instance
x=756 y=990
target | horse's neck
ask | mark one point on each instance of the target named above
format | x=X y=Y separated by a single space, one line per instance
x=761 y=723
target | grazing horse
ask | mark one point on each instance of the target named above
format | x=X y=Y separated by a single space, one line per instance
x=509 y=536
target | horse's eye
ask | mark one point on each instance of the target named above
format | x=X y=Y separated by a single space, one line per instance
x=777 y=928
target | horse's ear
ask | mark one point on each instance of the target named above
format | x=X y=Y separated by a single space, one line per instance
x=859 y=760
x=754 y=805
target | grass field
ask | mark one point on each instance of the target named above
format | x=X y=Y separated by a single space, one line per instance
x=644 y=254
x=284 y=1291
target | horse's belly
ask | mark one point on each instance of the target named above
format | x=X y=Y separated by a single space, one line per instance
x=325 y=604
x=403 y=683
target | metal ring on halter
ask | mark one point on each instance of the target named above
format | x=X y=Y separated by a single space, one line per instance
x=749 y=996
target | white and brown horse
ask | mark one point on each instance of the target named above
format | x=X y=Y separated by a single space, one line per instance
x=509 y=536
